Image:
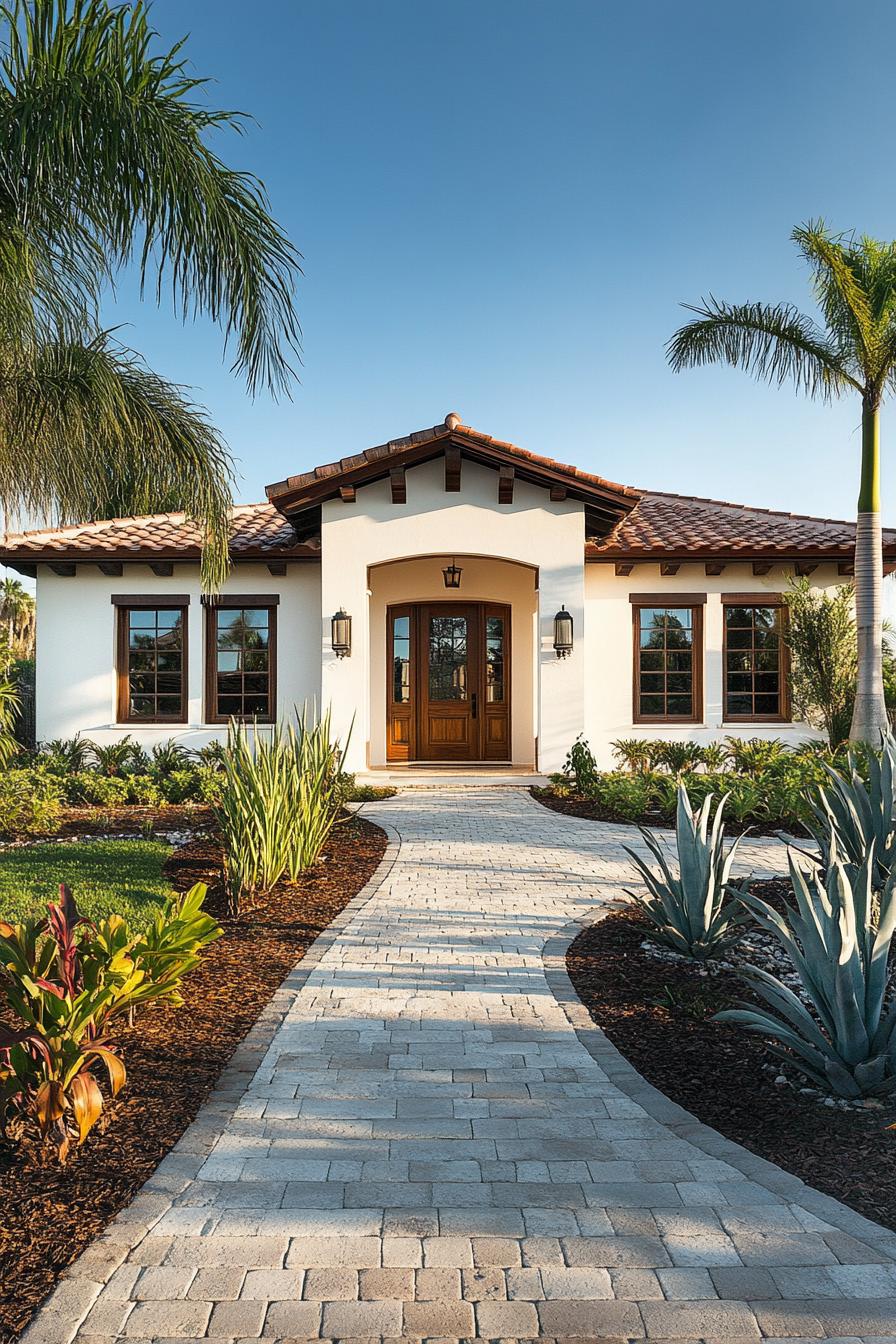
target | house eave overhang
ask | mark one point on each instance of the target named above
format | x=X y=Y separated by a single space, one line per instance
x=606 y=503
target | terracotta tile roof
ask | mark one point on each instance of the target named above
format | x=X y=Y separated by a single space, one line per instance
x=452 y=428
x=678 y=525
x=257 y=530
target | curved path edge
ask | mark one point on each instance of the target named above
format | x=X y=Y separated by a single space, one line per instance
x=59 y=1317
x=680 y=1121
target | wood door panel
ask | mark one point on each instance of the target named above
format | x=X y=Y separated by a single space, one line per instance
x=448 y=682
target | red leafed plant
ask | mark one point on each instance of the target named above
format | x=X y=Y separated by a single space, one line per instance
x=65 y=979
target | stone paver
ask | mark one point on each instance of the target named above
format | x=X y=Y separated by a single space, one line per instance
x=426 y=1137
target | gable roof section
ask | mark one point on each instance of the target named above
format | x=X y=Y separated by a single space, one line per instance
x=681 y=527
x=606 y=501
x=258 y=531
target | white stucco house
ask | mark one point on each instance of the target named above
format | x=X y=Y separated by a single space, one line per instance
x=453 y=597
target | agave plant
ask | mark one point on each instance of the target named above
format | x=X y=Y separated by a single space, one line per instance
x=841 y=1031
x=860 y=816
x=691 y=913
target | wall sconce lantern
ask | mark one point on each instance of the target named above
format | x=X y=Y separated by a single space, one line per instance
x=341 y=634
x=563 y=633
x=451 y=575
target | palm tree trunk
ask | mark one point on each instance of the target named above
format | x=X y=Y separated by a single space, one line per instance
x=869 y=718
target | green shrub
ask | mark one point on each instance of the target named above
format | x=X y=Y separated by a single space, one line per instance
x=753 y=755
x=838 y=941
x=143 y=791
x=627 y=797
x=169 y=757
x=676 y=757
x=280 y=797
x=581 y=765
x=63 y=980
x=691 y=913
x=115 y=758
x=633 y=753
x=29 y=801
x=65 y=755
x=96 y=790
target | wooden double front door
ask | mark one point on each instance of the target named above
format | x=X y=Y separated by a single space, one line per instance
x=448 y=682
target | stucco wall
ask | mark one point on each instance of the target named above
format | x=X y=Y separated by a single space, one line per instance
x=76 y=624
x=531 y=530
x=609 y=669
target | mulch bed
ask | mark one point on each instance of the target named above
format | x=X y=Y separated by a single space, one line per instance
x=131 y=820
x=576 y=805
x=48 y=1214
x=657 y=1014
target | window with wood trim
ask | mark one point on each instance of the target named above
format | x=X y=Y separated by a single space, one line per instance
x=668 y=664
x=241 y=654
x=152 y=664
x=754 y=663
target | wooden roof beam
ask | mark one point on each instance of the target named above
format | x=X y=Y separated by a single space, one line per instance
x=505 y=485
x=558 y=494
x=347 y=494
x=669 y=567
x=163 y=568
x=847 y=568
x=714 y=567
x=65 y=571
x=398 y=485
x=113 y=569
x=452 y=469
x=623 y=569
x=803 y=568
x=762 y=567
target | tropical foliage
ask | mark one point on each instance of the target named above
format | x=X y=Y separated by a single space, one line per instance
x=850 y=351
x=690 y=912
x=821 y=636
x=281 y=794
x=107 y=159
x=840 y=1031
x=63 y=981
x=17 y=621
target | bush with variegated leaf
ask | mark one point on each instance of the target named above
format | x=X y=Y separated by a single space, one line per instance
x=63 y=980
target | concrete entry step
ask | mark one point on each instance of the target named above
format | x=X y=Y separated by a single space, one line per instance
x=425 y=776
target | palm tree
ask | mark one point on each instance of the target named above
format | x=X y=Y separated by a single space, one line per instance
x=17 y=615
x=105 y=161
x=852 y=350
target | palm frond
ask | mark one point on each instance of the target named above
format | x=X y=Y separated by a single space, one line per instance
x=840 y=271
x=776 y=343
x=97 y=127
x=86 y=428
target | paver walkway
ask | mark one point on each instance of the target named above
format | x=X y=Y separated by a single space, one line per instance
x=430 y=1149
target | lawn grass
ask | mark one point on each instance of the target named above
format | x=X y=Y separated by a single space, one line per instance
x=107 y=877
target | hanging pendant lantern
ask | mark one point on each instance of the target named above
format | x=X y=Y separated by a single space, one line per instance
x=341 y=634
x=451 y=574
x=563 y=633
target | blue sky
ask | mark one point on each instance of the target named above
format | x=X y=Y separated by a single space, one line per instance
x=501 y=204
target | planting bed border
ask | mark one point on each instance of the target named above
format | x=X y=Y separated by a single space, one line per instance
x=681 y=1122
x=62 y=1311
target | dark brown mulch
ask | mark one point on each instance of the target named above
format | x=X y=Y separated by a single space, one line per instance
x=48 y=1214
x=577 y=805
x=132 y=820
x=657 y=1014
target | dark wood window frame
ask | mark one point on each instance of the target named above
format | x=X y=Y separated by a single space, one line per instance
x=775 y=600
x=695 y=603
x=124 y=603
x=270 y=601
